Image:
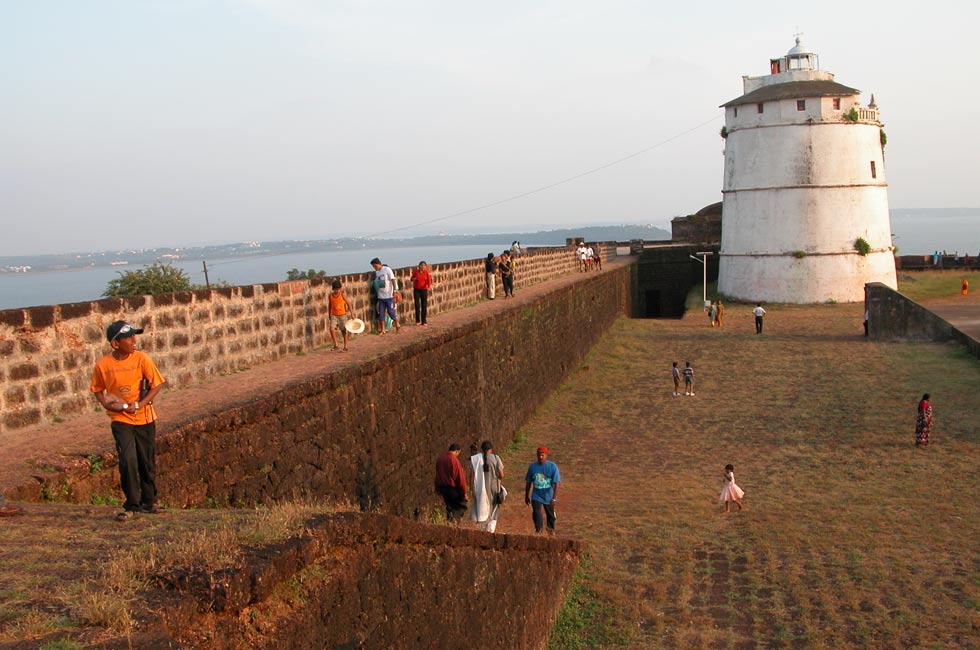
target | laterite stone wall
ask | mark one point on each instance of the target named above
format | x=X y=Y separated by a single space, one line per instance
x=370 y=433
x=47 y=353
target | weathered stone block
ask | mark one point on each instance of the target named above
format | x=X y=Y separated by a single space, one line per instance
x=55 y=386
x=21 y=418
x=23 y=371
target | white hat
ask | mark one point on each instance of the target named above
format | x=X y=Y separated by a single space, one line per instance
x=355 y=326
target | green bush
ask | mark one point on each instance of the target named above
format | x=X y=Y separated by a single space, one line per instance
x=851 y=115
x=862 y=246
x=155 y=278
x=311 y=274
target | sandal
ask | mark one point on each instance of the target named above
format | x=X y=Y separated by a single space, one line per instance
x=151 y=509
x=125 y=515
x=10 y=511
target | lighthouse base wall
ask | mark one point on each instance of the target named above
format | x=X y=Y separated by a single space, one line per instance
x=804 y=279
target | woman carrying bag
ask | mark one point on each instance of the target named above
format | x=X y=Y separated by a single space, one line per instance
x=488 y=493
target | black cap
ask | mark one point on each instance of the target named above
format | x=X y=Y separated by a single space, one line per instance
x=120 y=330
x=375 y=261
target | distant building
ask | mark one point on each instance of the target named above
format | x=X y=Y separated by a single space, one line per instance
x=805 y=197
x=702 y=227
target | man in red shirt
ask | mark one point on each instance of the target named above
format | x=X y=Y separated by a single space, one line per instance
x=451 y=483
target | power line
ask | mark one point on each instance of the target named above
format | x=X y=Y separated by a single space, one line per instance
x=551 y=185
x=515 y=197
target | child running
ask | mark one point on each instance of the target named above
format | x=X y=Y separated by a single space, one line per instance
x=340 y=311
x=731 y=492
x=688 y=379
x=676 y=374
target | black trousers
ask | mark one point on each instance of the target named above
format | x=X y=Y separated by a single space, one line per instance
x=421 y=299
x=136 y=446
x=538 y=513
x=455 y=503
x=758 y=324
x=508 y=281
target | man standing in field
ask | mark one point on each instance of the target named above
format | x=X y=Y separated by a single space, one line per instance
x=541 y=491
x=125 y=383
x=759 y=312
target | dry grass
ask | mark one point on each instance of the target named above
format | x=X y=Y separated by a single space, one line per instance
x=852 y=538
x=75 y=570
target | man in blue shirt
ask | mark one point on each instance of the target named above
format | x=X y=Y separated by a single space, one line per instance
x=543 y=477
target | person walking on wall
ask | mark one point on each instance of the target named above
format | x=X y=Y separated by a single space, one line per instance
x=507 y=274
x=340 y=311
x=541 y=491
x=582 y=253
x=488 y=471
x=490 y=268
x=421 y=285
x=759 y=312
x=451 y=483
x=125 y=382
x=384 y=285
x=923 y=422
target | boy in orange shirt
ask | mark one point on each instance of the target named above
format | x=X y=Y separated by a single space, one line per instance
x=340 y=310
x=117 y=382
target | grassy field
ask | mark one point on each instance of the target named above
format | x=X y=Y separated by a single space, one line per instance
x=923 y=285
x=851 y=537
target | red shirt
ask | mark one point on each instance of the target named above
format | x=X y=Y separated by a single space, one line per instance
x=421 y=279
x=449 y=472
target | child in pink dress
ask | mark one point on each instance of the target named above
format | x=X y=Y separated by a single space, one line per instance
x=731 y=492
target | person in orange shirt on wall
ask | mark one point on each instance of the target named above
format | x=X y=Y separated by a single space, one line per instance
x=125 y=383
x=340 y=311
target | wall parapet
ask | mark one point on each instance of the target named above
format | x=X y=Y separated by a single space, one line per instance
x=895 y=317
x=48 y=352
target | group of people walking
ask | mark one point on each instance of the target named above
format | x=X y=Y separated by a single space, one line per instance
x=588 y=259
x=482 y=479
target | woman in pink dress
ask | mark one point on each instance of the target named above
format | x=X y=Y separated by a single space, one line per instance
x=923 y=422
x=731 y=492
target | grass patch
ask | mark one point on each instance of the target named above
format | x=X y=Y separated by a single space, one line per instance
x=844 y=517
x=585 y=620
x=923 y=285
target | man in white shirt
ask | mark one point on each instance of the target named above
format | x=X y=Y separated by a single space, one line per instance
x=384 y=285
x=759 y=313
x=582 y=254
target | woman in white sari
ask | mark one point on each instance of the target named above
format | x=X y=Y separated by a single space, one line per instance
x=488 y=470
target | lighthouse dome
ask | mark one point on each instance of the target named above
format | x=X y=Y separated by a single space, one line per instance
x=798 y=49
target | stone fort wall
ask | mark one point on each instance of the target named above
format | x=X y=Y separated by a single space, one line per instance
x=47 y=353
x=369 y=433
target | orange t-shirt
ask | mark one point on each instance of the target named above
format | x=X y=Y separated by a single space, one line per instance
x=338 y=304
x=122 y=379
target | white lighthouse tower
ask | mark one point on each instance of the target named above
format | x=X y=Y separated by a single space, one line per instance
x=805 y=209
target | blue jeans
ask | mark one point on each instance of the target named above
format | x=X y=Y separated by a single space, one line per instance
x=387 y=306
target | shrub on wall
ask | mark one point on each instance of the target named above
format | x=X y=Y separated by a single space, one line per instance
x=862 y=246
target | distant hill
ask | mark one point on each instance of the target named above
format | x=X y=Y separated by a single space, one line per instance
x=138 y=257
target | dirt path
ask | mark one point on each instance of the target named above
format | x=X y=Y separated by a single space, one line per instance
x=73 y=440
x=963 y=312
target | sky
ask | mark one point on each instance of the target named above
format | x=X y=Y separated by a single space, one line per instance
x=147 y=123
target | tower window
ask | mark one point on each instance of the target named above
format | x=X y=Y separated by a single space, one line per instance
x=736 y=111
x=874 y=172
x=836 y=103
x=758 y=108
x=801 y=104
